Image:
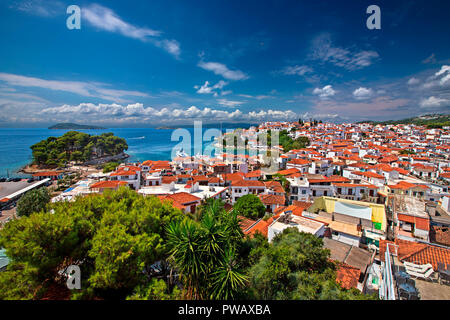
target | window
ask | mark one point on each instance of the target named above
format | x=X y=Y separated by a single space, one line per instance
x=303 y=191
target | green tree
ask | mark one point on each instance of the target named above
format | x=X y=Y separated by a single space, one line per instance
x=250 y=206
x=33 y=201
x=110 y=166
x=295 y=266
x=18 y=282
x=157 y=289
x=114 y=238
x=76 y=146
x=204 y=253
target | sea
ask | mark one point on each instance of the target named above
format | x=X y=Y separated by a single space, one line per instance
x=143 y=144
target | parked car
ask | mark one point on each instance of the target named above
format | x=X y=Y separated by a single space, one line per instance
x=2 y=179
x=30 y=180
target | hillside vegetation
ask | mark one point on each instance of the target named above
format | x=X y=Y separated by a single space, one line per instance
x=430 y=121
x=74 y=126
x=76 y=146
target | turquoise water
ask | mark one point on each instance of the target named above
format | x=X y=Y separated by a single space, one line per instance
x=143 y=144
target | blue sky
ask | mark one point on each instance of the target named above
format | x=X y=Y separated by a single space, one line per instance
x=137 y=63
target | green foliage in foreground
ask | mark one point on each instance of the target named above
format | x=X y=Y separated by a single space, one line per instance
x=204 y=253
x=33 y=201
x=296 y=267
x=76 y=146
x=134 y=247
x=114 y=238
x=250 y=206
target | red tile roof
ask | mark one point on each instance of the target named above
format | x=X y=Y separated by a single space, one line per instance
x=247 y=183
x=107 y=184
x=47 y=174
x=275 y=186
x=299 y=161
x=261 y=226
x=183 y=197
x=419 y=222
x=253 y=174
x=416 y=252
x=168 y=180
x=347 y=276
x=302 y=204
x=245 y=223
x=288 y=171
x=269 y=199
x=429 y=254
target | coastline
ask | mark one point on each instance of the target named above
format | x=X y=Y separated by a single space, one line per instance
x=32 y=168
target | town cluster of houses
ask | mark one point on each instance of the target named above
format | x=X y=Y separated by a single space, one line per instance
x=361 y=187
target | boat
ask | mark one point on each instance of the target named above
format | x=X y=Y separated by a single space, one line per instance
x=180 y=153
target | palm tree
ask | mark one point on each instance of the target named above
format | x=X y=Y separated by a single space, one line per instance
x=204 y=252
x=184 y=239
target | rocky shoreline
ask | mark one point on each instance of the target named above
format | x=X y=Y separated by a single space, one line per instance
x=32 y=168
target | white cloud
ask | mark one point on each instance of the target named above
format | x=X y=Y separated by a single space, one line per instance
x=222 y=70
x=273 y=114
x=413 y=81
x=207 y=89
x=117 y=113
x=325 y=92
x=362 y=93
x=105 y=19
x=440 y=79
x=434 y=102
x=47 y=8
x=229 y=103
x=81 y=88
x=308 y=115
x=257 y=97
x=445 y=70
x=171 y=46
x=296 y=70
x=324 y=50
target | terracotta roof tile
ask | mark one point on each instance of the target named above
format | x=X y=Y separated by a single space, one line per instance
x=107 y=184
x=347 y=276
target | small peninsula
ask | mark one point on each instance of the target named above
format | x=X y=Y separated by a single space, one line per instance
x=74 y=126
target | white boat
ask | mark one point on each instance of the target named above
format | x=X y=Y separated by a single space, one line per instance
x=180 y=153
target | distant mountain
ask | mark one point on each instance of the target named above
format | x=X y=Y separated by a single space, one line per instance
x=429 y=120
x=74 y=126
x=224 y=125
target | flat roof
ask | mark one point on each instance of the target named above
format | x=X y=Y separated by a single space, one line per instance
x=301 y=223
x=414 y=207
x=22 y=191
x=203 y=192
